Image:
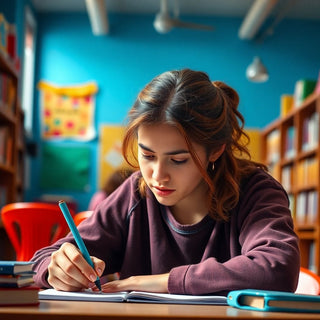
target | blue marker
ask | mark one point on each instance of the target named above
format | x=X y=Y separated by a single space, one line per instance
x=77 y=237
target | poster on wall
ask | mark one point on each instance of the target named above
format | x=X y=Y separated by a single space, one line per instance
x=67 y=112
x=110 y=157
x=65 y=167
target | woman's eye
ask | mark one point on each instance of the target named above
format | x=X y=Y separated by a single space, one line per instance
x=148 y=156
x=179 y=161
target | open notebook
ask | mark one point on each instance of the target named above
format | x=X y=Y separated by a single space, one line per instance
x=133 y=296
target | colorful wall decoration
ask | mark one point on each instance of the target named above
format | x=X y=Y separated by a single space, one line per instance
x=254 y=145
x=67 y=112
x=110 y=151
x=65 y=167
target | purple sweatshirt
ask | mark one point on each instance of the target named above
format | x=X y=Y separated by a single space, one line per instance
x=257 y=248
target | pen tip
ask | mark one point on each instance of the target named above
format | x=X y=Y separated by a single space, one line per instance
x=98 y=284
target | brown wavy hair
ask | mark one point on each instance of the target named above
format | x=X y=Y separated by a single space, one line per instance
x=205 y=113
x=116 y=179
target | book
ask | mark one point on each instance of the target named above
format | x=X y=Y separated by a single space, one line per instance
x=317 y=88
x=132 y=296
x=273 y=146
x=18 y=281
x=3 y=195
x=3 y=143
x=15 y=267
x=290 y=150
x=310 y=132
x=264 y=300
x=286 y=103
x=19 y=296
x=303 y=88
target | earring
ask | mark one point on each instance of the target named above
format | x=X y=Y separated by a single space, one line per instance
x=212 y=166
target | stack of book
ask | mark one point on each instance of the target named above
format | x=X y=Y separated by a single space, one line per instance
x=16 y=283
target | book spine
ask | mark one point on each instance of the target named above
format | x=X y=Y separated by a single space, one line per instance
x=19 y=304
x=6 y=269
x=10 y=285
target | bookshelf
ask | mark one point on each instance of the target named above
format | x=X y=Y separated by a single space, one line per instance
x=290 y=148
x=12 y=148
x=11 y=134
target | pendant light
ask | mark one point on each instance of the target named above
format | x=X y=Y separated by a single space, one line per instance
x=256 y=71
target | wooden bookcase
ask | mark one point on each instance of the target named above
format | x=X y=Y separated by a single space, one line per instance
x=12 y=147
x=290 y=148
x=11 y=135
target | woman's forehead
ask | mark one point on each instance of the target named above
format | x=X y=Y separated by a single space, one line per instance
x=160 y=133
x=165 y=137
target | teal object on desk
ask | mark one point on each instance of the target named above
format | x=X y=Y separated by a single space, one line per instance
x=266 y=300
x=77 y=237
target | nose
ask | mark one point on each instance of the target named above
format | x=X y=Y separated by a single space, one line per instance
x=160 y=173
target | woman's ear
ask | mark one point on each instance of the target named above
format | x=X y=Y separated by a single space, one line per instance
x=216 y=155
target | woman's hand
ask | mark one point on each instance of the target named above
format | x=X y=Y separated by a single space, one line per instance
x=152 y=283
x=69 y=271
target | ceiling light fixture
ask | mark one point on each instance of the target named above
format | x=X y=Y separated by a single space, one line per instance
x=98 y=16
x=256 y=71
x=256 y=16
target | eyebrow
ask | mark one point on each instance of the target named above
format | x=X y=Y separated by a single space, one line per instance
x=170 y=153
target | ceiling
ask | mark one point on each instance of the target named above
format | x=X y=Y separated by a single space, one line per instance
x=300 y=9
x=253 y=12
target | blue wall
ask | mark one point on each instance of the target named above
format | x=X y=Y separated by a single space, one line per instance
x=123 y=62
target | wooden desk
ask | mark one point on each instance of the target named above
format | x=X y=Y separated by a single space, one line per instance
x=80 y=310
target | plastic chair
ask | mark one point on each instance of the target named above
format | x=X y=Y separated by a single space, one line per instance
x=80 y=216
x=33 y=225
x=309 y=282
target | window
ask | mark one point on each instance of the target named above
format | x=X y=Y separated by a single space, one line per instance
x=28 y=70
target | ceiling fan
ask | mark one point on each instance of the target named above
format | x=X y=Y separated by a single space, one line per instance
x=163 y=21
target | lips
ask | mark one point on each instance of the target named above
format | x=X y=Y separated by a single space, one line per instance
x=163 y=192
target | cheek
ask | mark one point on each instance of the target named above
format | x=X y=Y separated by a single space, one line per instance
x=144 y=166
x=190 y=175
x=141 y=161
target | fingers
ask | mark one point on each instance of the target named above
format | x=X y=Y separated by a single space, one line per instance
x=69 y=271
x=63 y=286
x=65 y=271
x=99 y=265
x=152 y=283
x=119 y=285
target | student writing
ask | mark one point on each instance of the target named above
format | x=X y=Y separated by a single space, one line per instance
x=195 y=218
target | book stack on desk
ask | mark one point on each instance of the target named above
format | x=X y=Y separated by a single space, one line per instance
x=16 y=283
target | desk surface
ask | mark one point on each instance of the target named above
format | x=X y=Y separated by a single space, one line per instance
x=81 y=310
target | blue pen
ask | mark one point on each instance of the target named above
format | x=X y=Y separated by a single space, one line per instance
x=77 y=237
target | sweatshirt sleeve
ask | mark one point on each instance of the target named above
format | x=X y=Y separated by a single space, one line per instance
x=106 y=225
x=267 y=256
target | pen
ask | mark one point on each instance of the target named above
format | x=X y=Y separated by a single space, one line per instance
x=77 y=237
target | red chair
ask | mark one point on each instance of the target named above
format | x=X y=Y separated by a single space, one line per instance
x=309 y=282
x=33 y=225
x=80 y=216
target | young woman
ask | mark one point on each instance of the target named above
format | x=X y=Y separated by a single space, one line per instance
x=199 y=216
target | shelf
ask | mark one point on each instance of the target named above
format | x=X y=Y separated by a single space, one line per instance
x=306 y=230
x=4 y=168
x=11 y=134
x=7 y=66
x=6 y=116
x=294 y=143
